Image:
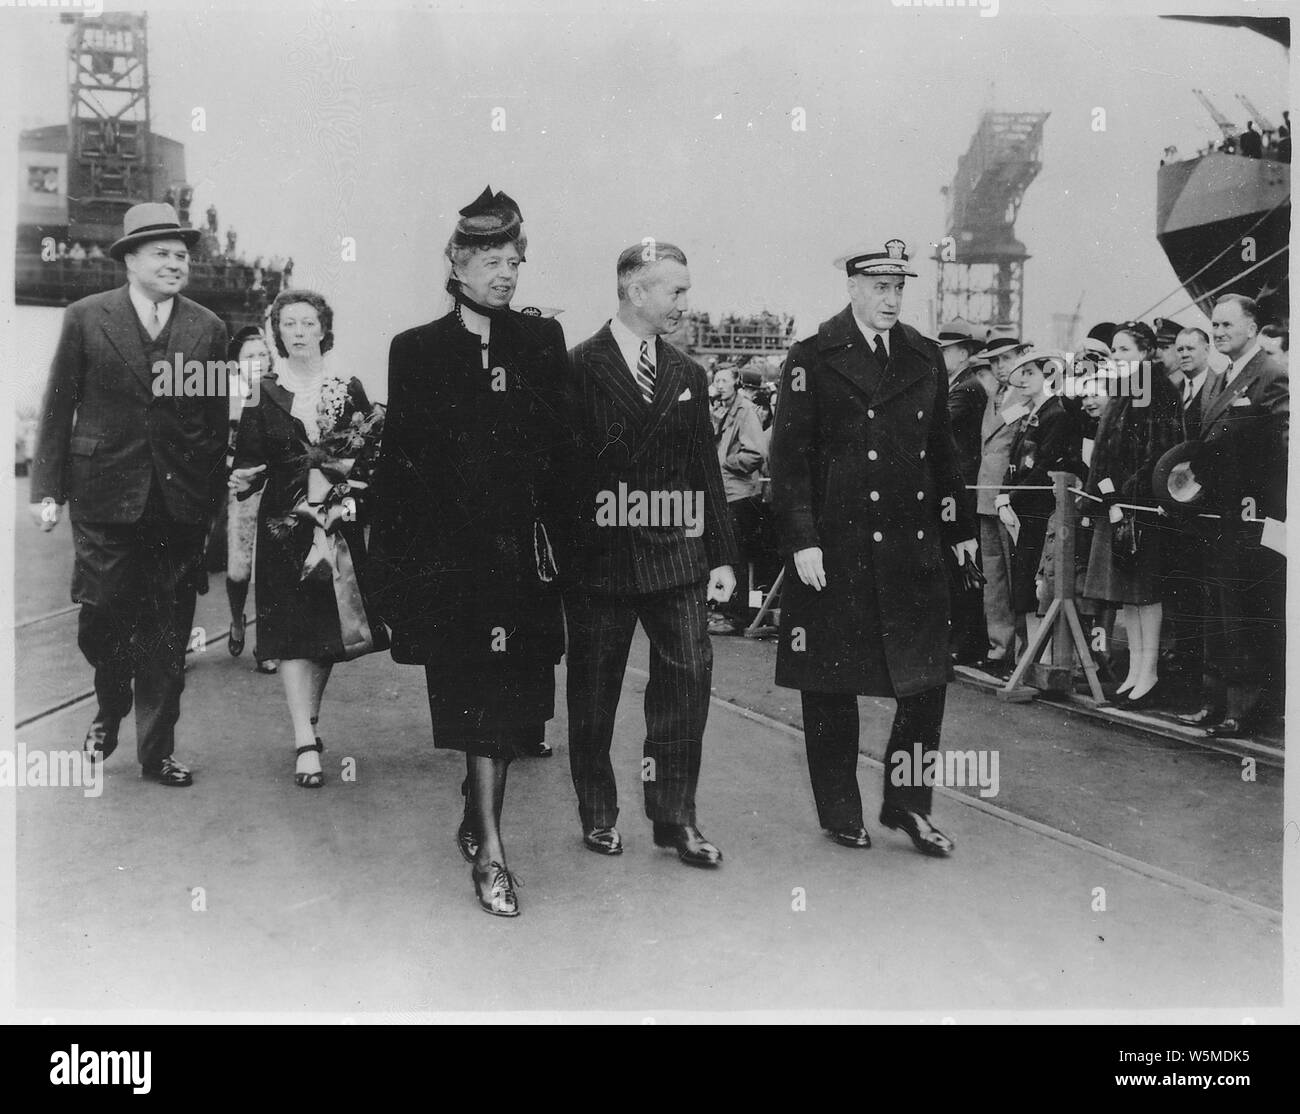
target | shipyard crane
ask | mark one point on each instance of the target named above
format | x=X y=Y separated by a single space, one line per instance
x=1264 y=123
x=1226 y=126
x=981 y=263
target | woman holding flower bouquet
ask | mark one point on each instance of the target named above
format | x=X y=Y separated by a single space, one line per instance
x=311 y=441
x=467 y=498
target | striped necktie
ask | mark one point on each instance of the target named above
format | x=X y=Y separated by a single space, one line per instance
x=155 y=323
x=645 y=373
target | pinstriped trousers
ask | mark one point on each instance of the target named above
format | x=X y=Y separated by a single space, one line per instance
x=676 y=698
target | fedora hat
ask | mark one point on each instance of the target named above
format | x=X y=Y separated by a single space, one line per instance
x=961 y=331
x=151 y=220
x=1179 y=481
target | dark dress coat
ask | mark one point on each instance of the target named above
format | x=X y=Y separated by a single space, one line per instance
x=1046 y=441
x=465 y=502
x=297 y=618
x=1131 y=438
x=864 y=466
x=967 y=401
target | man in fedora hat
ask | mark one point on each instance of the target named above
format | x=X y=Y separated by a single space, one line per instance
x=867 y=497
x=1245 y=423
x=959 y=340
x=999 y=424
x=142 y=473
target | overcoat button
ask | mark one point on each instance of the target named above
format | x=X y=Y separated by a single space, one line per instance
x=871 y=413
x=875 y=496
x=920 y=494
x=871 y=454
x=920 y=534
x=878 y=536
x=920 y=414
x=922 y=454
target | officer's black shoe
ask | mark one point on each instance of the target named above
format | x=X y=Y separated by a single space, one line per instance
x=925 y=837
x=851 y=835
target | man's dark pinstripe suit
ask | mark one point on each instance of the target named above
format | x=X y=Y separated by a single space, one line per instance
x=614 y=575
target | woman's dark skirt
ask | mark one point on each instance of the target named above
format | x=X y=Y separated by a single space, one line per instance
x=491 y=712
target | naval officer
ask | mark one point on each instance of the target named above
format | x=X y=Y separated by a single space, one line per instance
x=867 y=492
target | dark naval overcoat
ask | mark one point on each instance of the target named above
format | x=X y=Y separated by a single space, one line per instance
x=864 y=466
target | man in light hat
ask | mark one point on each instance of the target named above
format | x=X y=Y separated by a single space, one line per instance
x=998 y=428
x=867 y=497
x=959 y=340
x=142 y=473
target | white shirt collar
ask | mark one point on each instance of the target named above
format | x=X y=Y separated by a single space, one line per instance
x=869 y=334
x=1242 y=361
x=144 y=307
x=629 y=344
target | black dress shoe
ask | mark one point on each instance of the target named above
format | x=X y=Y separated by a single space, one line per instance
x=235 y=640
x=1233 y=728
x=925 y=837
x=101 y=739
x=467 y=840
x=168 y=772
x=1205 y=717
x=851 y=835
x=604 y=841
x=689 y=843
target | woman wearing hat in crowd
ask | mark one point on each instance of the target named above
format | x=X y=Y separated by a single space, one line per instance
x=249 y=349
x=310 y=439
x=467 y=496
x=1046 y=441
x=1140 y=422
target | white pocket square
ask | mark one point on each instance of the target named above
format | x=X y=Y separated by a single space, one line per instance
x=685 y=396
x=1241 y=402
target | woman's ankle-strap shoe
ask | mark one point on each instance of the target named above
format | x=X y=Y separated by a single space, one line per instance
x=313 y=780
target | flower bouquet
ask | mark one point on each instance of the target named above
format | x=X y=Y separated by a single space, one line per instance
x=328 y=474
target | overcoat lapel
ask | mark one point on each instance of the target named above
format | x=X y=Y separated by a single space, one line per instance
x=906 y=365
x=844 y=350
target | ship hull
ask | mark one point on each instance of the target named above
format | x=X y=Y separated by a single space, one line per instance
x=1224 y=222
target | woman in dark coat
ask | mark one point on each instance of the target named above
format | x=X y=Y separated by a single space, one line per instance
x=1046 y=442
x=1140 y=423
x=466 y=497
x=310 y=556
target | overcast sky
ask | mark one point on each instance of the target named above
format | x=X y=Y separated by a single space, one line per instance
x=666 y=119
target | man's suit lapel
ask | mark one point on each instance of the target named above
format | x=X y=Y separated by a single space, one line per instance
x=186 y=327
x=614 y=376
x=1225 y=395
x=122 y=327
x=670 y=374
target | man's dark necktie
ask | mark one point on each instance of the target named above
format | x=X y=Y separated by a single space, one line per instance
x=878 y=347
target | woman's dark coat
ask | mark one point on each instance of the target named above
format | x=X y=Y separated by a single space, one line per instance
x=465 y=493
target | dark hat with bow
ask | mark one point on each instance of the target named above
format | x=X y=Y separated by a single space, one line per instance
x=490 y=220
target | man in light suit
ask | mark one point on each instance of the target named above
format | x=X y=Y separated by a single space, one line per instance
x=650 y=539
x=741 y=455
x=1003 y=414
x=1244 y=427
x=142 y=471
